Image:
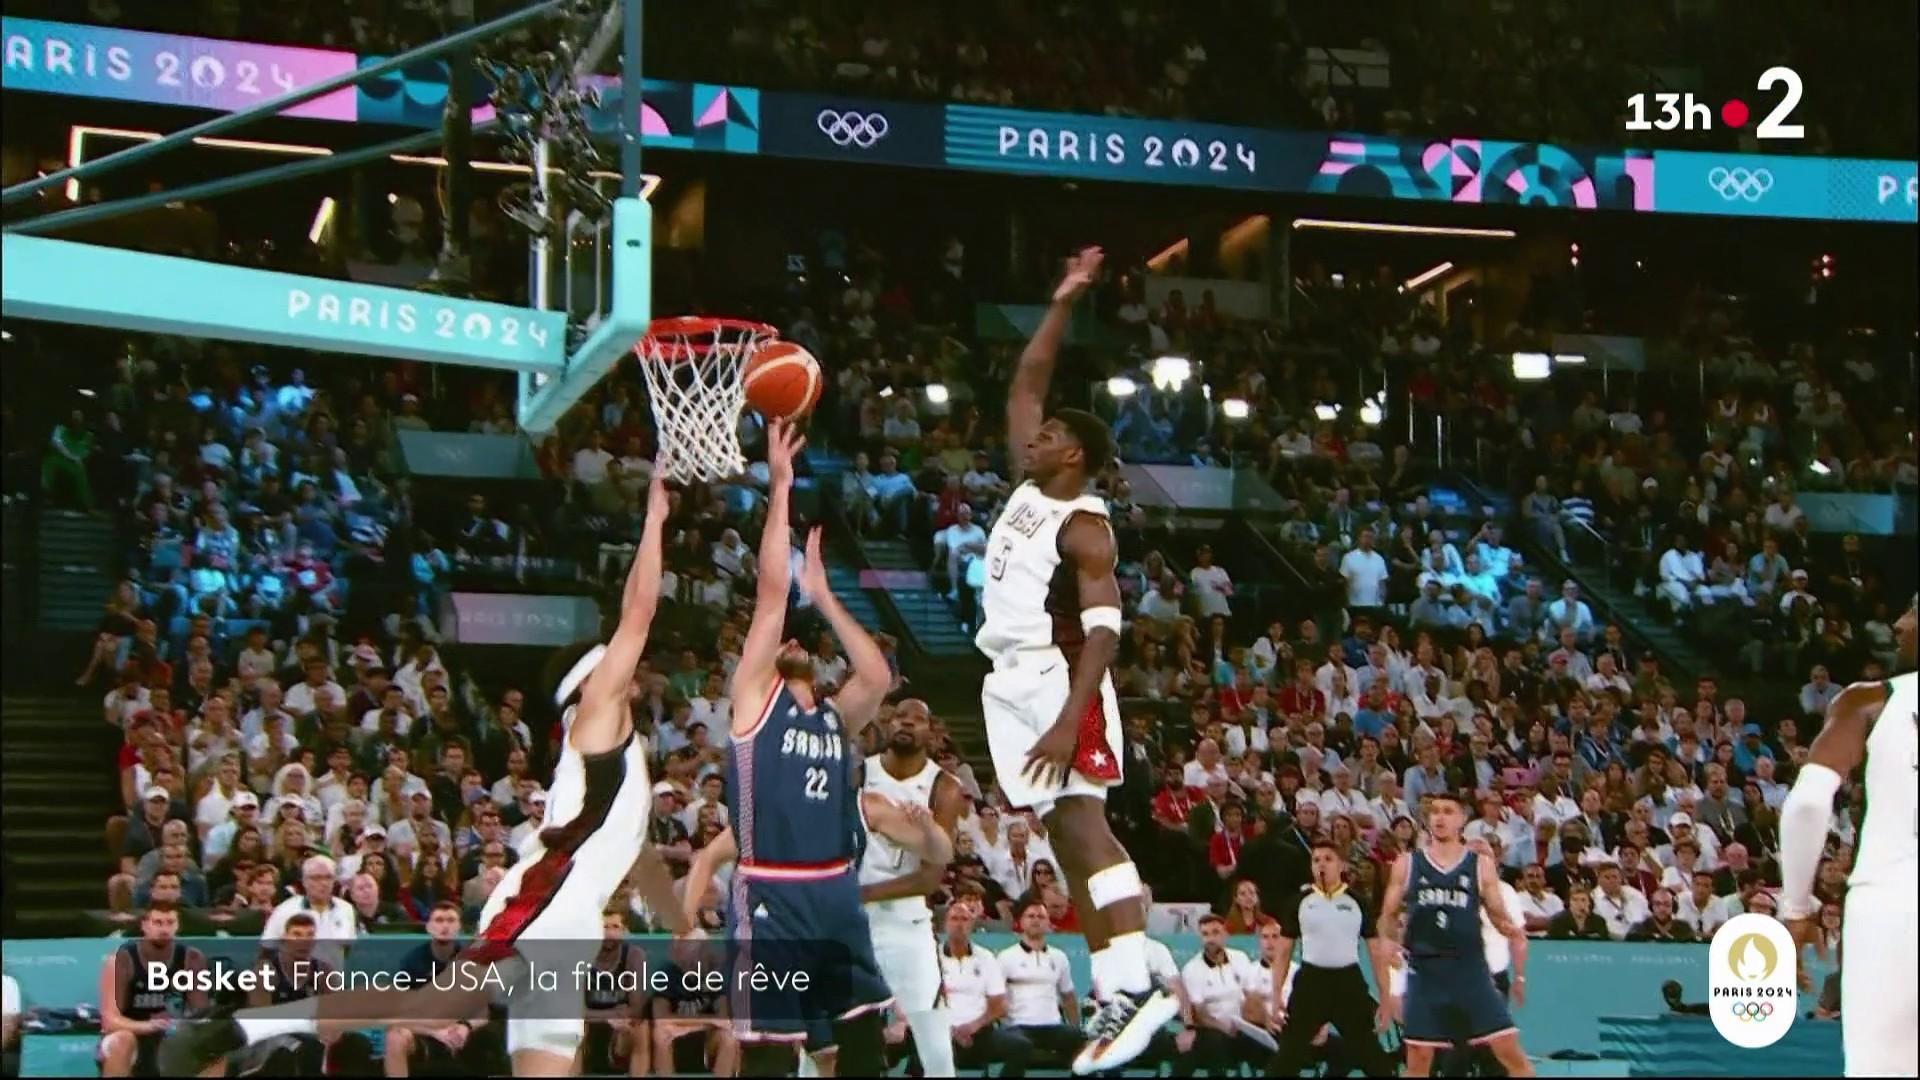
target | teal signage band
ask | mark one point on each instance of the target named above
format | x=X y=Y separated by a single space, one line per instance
x=1774 y=185
x=63 y=281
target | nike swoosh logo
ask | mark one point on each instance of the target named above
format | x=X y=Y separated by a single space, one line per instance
x=1048 y=669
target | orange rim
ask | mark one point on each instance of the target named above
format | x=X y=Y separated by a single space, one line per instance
x=683 y=336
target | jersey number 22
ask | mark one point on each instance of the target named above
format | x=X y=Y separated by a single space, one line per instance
x=817 y=784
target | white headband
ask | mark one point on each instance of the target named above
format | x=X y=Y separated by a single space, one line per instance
x=582 y=668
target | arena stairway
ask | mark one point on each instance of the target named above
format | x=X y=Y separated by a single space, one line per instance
x=926 y=612
x=1681 y=659
x=58 y=760
x=76 y=560
x=925 y=618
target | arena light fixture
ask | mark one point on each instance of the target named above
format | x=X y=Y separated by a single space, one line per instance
x=1425 y=276
x=937 y=393
x=1234 y=408
x=1532 y=366
x=1396 y=227
x=1158 y=264
x=1572 y=359
x=1326 y=411
x=78 y=135
x=886 y=392
x=1122 y=387
x=1171 y=372
x=1370 y=413
x=1819 y=468
x=322 y=219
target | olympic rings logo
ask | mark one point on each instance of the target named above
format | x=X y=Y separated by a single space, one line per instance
x=1752 y=1012
x=1738 y=183
x=845 y=129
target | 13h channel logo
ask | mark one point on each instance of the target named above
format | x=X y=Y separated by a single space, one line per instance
x=1666 y=111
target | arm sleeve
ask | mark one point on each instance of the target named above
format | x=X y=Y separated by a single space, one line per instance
x=1803 y=835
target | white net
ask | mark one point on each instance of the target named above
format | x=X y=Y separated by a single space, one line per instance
x=692 y=367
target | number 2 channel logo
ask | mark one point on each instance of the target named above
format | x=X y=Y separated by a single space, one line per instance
x=1667 y=111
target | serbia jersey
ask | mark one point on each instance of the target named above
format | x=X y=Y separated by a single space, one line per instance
x=1451 y=999
x=795 y=892
x=1443 y=908
x=793 y=776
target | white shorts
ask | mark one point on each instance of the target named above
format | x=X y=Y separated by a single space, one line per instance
x=1878 y=1005
x=1021 y=699
x=909 y=958
x=565 y=931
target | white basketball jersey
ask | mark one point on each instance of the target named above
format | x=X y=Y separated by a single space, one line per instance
x=1023 y=597
x=1890 y=835
x=886 y=860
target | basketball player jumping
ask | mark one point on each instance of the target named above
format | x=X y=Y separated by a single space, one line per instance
x=897 y=877
x=1876 y=721
x=1451 y=999
x=552 y=898
x=1052 y=630
x=906 y=827
x=795 y=895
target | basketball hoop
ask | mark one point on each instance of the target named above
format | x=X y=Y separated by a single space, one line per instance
x=692 y=366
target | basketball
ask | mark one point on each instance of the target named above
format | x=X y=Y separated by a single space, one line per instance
x=782 y=381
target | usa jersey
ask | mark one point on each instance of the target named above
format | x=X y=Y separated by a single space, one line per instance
x=1890 y=832
x=884 y=859
x=1443 y=908
x=1031 y=599
x=793 y=773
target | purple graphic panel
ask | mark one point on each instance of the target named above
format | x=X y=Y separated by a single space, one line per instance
x=169 y=69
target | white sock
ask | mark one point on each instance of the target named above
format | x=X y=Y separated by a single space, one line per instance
x=293 y=1018
x=1127 y=963
x=807 y=1067
x=933 y=1038
x=1101 y=965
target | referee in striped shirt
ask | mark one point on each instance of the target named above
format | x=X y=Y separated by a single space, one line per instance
x=1334 y=930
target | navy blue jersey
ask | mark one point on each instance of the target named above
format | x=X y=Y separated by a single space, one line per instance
x=797 y=802
x=1443 y=907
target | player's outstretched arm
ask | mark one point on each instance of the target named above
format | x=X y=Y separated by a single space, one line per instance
x=603 y=719
x=754 y=675
x=654 y=881
x=719 y=852
x=857 y=702
x=1087 y=542
x=1027 y=397
x=1808 y=812
x=1387 y=940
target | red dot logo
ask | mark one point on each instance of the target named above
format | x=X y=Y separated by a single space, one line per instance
x=1734 y=112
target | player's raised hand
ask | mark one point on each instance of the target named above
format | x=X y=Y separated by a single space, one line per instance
x=784 y=443
x=657 y=488
x=813 y=570
x=1082 y=268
